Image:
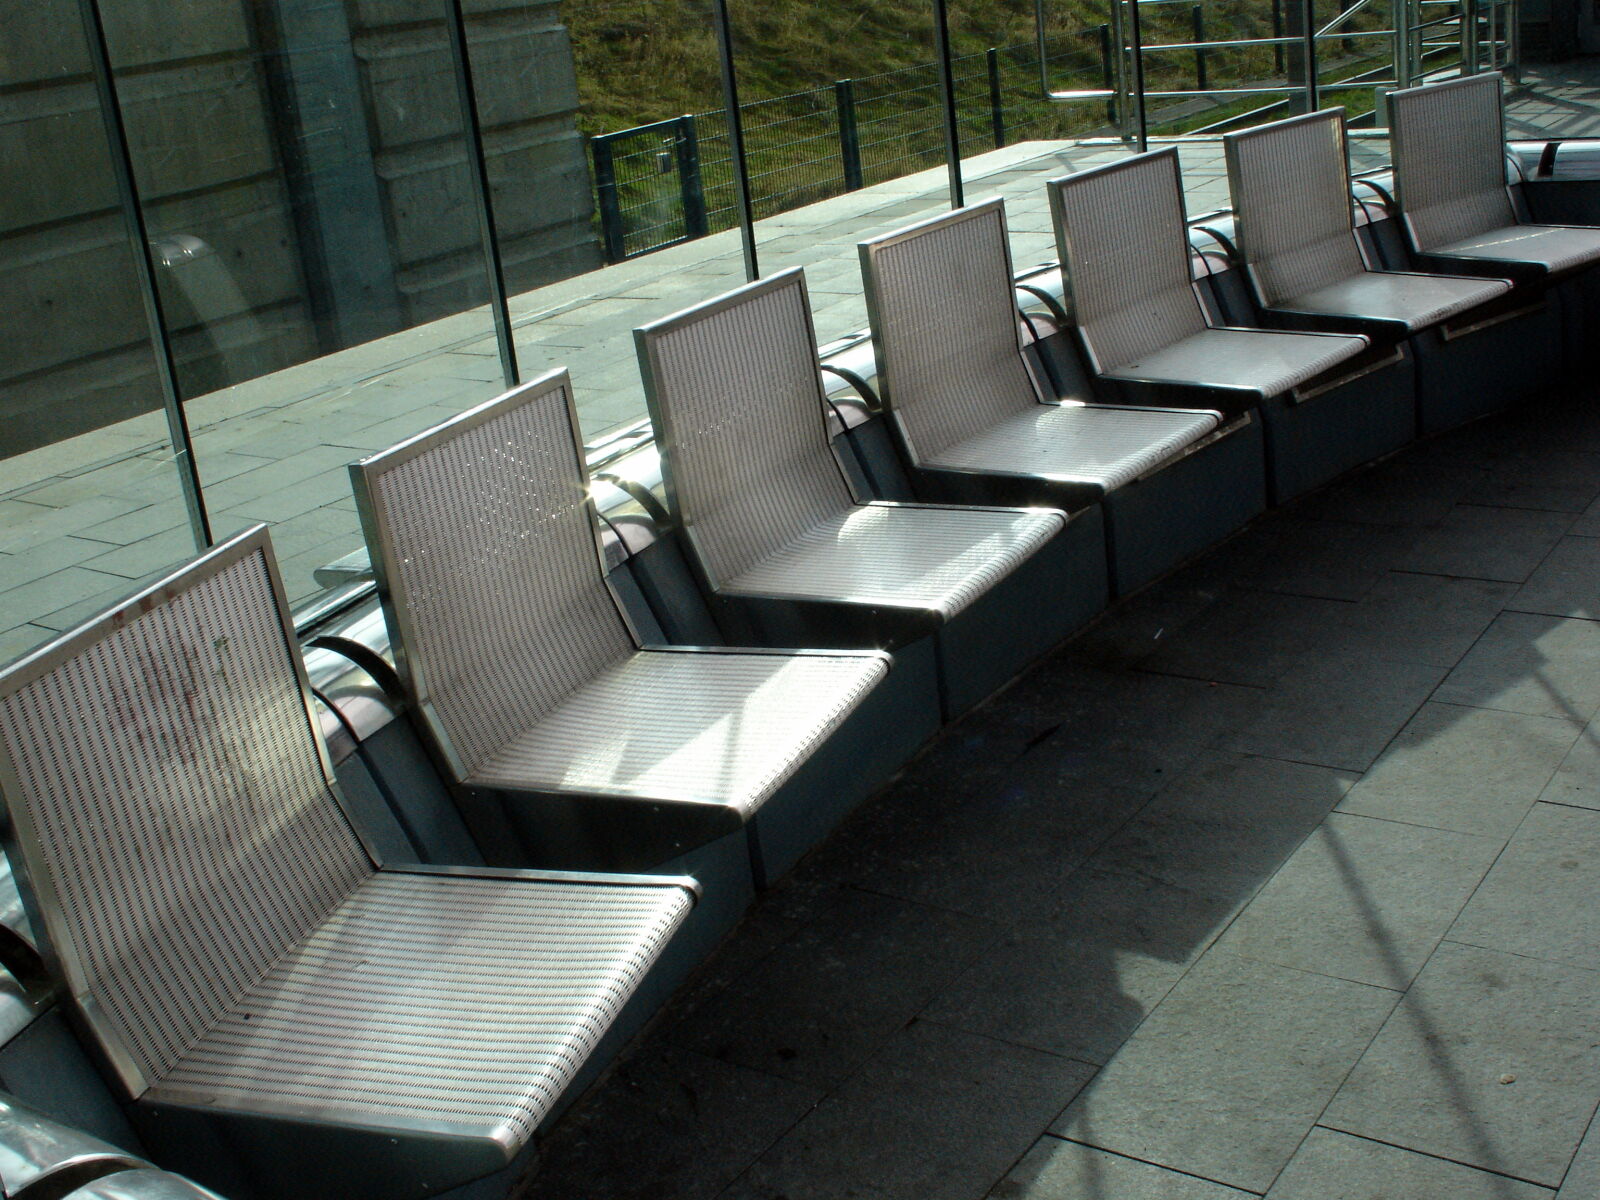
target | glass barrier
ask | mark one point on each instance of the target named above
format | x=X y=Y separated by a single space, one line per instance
x=91 y=498
x=844 y=129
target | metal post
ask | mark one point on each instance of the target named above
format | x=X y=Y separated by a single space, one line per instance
x=844 y=104
x=997 y=115
x=1308 y=28
x=690 y=187
x=1108 y=73
x=741 y=168
x=144 y=268
x=1277 y=32
x=1197 y=16
x=947 y=89
x=1469 y=37
x=1402 y=42
x=612 y=234
x=1141 y=116
x=1514 y=39
x=482 y=200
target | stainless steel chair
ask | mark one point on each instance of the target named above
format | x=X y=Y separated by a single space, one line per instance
x=975 y=425
x=788 y=551
x=1449 y=145
x=568 y=741
x=1291 y=196
x=254 y=979
x=1125 y=261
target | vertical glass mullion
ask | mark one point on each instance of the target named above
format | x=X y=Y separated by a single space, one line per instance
x=483 y=200
x=144 y=270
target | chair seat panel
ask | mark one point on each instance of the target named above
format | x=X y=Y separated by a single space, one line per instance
x=1099 y=444
x=902 y=555
x=1269 y=363
x=457 y=1005
x=702 y=726
x=1557 y=248
x=1418 y=301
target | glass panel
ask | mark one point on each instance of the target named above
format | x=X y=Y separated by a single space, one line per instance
x=844 y=127
x=606 y=140
x=90 y=499
x=304 y=176
x=1355 y=66
x=1023 y=122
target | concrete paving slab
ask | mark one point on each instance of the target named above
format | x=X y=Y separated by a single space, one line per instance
x=1061 y=1170
x=669 y=1123
x=1539 y=665
x=1338 y=711
x=1492 y=1060
x=1566 y=583
x=1577 y=779
x=1363 y=900
x=827 y=1000
x=1473 y=770
x=1247 y=637
x=1225 y=1079
x=1487 y=543
x=1546 y=885
x=936 y=1116
x=1583 y=1176
x=1415 y=618
x=1409 y=493
x=1565 y=481
x=1337 y=560
x=1223 y=827
x=1335 y=1166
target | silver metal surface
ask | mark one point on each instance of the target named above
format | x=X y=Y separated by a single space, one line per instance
x=1448 y=144
x=33 y=1148
x=223 y=930
x=146 y=1184
x=1263 y=362
x=1294 y=227
x=957 y=383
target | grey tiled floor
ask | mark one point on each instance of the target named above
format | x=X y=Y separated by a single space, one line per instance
x=1280 y=881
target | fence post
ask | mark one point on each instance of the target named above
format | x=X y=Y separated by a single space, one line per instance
x=1198 y=19
x=1108 y=80
x=997 y=116
x=605 y=187
x=1277 y=32
x=690 y=186
x=844 y=103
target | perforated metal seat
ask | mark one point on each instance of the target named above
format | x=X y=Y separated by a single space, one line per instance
x=230 y=941
x=1449 y=146
x=955 y=381
x=1105 y=446
x=737 y=401
x=1125 y=257
x=529 y=676
x=1290 y=183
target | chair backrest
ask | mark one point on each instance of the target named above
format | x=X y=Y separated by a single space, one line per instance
x=1291 y=192
x=944 y=326
x=736 y=397
x=1449 y=146
x=487 y=556
x=1125 y=256
x=173 y=804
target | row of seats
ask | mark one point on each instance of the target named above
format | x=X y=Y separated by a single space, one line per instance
x=295 y=1016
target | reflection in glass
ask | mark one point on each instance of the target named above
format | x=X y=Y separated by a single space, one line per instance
x=90 y=500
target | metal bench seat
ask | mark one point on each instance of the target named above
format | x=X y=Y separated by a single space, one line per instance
x=1553 y=249
x=1410 y=299
x=1260 y=363
x=928 y=559
x=1328 y=401
x=569 y=745
x=267 y=994
x=141 y=1185
x=789 y=554
x=975 y=424
x=723 y=729
x=1103 y=446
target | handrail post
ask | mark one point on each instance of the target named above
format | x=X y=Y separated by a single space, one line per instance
x=605 y=188
x=997 y=117
x=1141 y=115
x=691 y=188
x=1197 y=18
x=844 y=106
